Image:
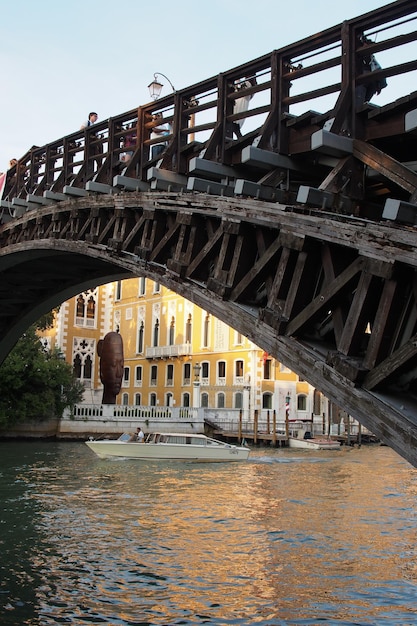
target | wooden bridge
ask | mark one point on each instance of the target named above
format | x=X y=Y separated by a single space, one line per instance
x=290 y=216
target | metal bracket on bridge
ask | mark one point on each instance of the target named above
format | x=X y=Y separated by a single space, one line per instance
x=399 y=211
x=265 y=159
x=165 y=180
x=323 y=199
x=209 y=186
x=211 y=169
x=249 y=188
x=92 y=185
x=32 y=199
x=54 y=195
x=69 y=190
x=131 y=184
x=329 y=143
x=410 y=121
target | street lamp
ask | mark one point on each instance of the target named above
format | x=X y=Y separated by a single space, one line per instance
x=155 y=87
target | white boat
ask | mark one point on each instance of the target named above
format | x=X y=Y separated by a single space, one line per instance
x=169 y=446
x=304 y=439
x=300 y=438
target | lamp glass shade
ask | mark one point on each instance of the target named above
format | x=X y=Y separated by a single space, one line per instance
x=155 y=89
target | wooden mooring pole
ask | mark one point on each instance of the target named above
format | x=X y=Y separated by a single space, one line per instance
x=255 y=426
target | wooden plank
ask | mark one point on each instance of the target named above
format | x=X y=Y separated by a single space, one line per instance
x=386 y=165
x=324 y=299
x=391 y=364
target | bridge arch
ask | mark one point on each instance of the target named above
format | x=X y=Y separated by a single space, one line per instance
x=313 y=293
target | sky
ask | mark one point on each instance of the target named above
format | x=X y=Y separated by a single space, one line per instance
x=61 y=60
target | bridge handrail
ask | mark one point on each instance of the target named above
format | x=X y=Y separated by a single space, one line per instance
x=202 y=119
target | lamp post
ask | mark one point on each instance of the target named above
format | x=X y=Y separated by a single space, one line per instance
x=196 y=387
x=155 y=87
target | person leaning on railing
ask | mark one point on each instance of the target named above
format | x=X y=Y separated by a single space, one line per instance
x=366 y=62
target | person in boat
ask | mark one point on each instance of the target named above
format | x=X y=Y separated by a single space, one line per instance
x=139 y=435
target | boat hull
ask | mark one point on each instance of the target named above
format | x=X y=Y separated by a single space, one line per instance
x=313 y=444
x=166 y=451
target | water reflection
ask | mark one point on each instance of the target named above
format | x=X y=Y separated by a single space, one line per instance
x=286 y=538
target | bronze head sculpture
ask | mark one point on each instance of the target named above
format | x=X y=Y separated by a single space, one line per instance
x=110 y=351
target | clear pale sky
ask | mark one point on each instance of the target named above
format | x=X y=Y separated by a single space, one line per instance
x=62 y=59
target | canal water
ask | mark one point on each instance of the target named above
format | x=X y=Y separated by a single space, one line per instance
x=289 y=537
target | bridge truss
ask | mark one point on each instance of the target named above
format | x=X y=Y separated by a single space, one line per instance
x=301 y=230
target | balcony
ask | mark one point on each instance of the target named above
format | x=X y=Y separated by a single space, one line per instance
x=166 y=352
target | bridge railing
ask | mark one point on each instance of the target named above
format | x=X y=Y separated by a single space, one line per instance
x=279 y=94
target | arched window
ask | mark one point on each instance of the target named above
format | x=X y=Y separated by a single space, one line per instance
x=267 y=400
x=77 y=366
x=221 y=372
x=238 y=400
x=301 y=402
x=171 y=340
x=186 y=374
x=125 y=399
x=170 y=375
x=188 y=329
x=154 y=375
x=88 y=367
x=206 y=335
x=138 y=399
x=168 y=399
x=140 y=338
x=220 y=401
x=205 y=372
x=152 y=399
x=138 y=375
x=91 y=308
x=80 y=306
x=185 y=399
x=156 y=333
x=267 y=369
x=142 y=286
x=204 y=400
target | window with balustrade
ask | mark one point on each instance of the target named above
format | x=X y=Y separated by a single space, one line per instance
x=154 y=375
x=186 y=374
x=205 y=373
x=221 y=373
x=138 y=375
x=238 y=378
x=170 y=375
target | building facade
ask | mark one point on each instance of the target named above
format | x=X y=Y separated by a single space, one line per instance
x=176 y=354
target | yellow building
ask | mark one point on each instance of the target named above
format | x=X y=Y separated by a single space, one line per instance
x=176 y=354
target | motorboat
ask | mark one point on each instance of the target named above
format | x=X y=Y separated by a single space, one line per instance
x=304 y=439
x=169 y=446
